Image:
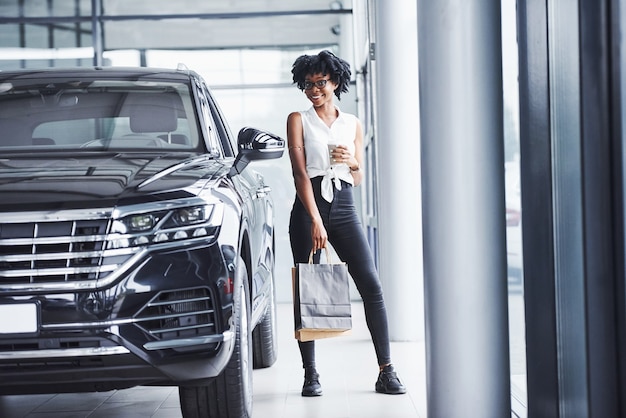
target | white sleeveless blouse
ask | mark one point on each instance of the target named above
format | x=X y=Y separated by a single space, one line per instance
x=317 y=136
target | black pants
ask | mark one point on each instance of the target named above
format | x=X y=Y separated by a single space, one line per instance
x=346 y=235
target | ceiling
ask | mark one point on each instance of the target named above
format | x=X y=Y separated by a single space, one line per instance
x=180 y=24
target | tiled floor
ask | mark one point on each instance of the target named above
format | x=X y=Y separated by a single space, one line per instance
x=347 y=367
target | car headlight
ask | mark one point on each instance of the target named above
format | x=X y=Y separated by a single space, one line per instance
x=138 y=223
x=164 y=226
x=188 y=216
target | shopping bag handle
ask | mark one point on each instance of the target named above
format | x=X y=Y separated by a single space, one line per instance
x=328 y=257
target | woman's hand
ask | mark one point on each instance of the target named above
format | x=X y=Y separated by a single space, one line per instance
x=318 y=234
x=341 y=154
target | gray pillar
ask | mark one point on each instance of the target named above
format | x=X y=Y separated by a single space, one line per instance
x=463 y=206
x=397 y=145
x=97 y=32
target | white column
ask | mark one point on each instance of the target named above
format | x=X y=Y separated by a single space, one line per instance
x=464 y=225
x=397 y=144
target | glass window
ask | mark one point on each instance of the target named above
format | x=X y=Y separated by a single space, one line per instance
x=225 y=7
x=517 y=339
x=43 y=8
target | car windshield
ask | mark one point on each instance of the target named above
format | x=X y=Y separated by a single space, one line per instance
x=97 y=115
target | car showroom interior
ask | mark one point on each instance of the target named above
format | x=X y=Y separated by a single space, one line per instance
x=152 y=157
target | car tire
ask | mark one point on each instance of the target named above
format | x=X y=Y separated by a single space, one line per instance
x=230 y=394
x=264 y=336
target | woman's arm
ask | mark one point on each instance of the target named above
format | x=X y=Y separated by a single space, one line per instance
x=356 y=164
x=304 y=190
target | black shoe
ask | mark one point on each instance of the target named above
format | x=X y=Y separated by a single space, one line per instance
x=388 y=382
x=311 y=385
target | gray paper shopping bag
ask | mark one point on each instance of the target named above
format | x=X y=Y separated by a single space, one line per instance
x=321 y=300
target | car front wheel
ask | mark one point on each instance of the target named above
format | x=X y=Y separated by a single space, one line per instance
x=264 y=335
x=230 y=394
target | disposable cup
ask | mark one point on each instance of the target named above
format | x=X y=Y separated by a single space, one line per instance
x=331 y=147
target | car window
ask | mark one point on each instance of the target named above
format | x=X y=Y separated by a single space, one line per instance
x=211 y=132
x=102 y=114
x=221 y=126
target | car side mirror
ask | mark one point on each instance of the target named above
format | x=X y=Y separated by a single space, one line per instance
x=254 y=144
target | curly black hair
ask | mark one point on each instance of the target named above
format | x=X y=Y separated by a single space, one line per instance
x=325 y=63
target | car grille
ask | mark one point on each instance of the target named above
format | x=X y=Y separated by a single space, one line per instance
x=178 y=314
x=57 y=252
x=65 y=343
x=36 y=354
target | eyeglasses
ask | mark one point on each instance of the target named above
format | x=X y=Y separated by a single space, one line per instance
x=320 y=84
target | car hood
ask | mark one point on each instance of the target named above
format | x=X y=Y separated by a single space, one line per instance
x=71 y=182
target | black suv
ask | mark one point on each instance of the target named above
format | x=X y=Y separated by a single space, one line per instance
x=136 y=248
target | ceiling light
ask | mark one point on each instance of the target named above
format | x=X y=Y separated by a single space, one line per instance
x=335 y=5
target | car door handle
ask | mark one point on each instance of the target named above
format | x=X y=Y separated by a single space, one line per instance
x=263 y=191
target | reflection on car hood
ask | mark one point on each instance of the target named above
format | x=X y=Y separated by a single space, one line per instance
x=35 y=183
